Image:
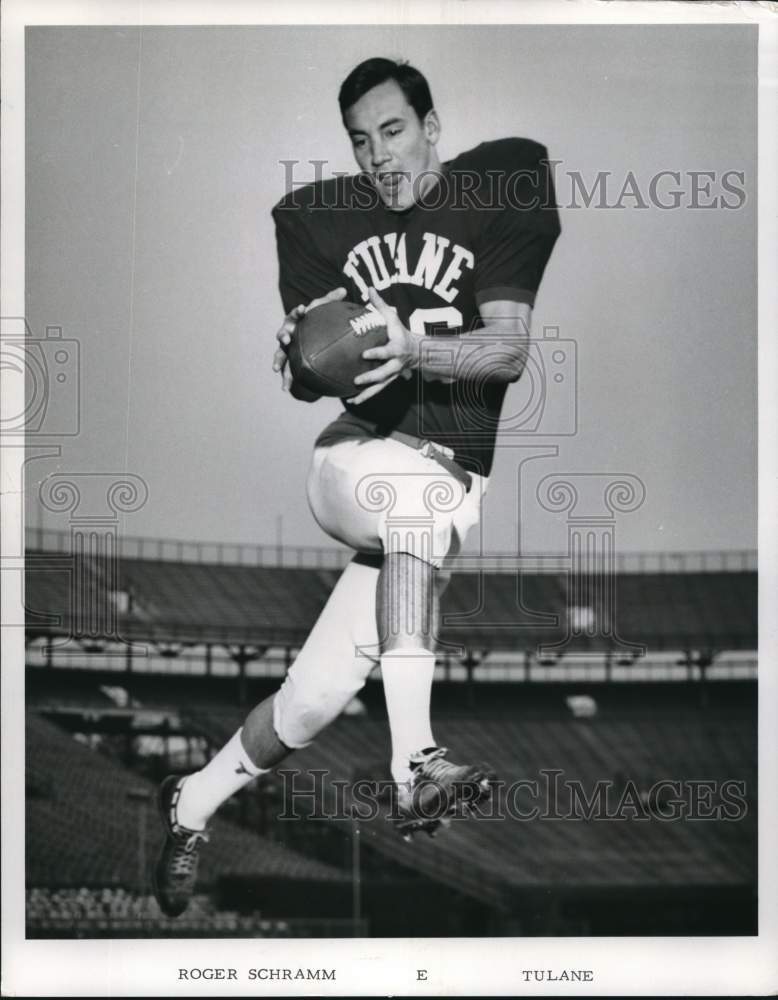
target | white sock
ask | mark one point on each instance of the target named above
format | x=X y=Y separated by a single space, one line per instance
x=407 y=677
x=205 y=790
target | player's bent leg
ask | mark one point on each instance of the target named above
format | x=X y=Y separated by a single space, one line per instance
x=335 y=661
x=327 y=673
x=405 y=611
x=368 y=494
x=430 y=788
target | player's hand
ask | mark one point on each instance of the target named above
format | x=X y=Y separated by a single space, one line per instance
x=287 y=331
x=400 y=353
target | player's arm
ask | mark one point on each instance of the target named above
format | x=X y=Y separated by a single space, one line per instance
x=496 y=352
x=306 y=278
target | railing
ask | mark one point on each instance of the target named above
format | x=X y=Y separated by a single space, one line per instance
x=319 y=557
x=723 y=561
x=187 y=551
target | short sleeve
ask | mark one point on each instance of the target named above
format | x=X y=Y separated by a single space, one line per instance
x=304 y=270
x=520 y=230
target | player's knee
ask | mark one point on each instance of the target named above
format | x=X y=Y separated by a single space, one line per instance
x=300 y=714
x=290 y=720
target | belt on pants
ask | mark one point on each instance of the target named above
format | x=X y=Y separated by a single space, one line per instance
x=435 y=451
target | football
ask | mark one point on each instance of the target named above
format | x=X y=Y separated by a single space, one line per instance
x=325 y=354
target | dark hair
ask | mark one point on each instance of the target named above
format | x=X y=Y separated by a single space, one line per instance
x=371 y=72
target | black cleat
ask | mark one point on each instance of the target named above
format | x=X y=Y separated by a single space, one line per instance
x=175 y=873
x=439 y=790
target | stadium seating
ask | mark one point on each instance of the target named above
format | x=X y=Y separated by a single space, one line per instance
x=83 y=821
x=270 y=605
x=48 y=592
x=495 y=858
x=117 y=912
x=713 y=610
x=281 y=601
x=88 y=829
x=495 y=861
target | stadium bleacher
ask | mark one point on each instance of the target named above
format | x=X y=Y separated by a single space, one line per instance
x=82 y=823
x=487 y=857
x=512 y=854
x=266 y=605
x=496 y=861
x=117 y=912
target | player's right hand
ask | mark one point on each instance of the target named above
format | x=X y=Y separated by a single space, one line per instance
x=287 y=331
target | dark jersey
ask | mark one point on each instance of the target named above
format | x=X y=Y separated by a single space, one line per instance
x=483 y=232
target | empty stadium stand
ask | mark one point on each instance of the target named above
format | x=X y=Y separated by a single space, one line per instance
x=117 y=912
x=496 y=858
x=660 y=734
x=83 y=818
x=197 y=602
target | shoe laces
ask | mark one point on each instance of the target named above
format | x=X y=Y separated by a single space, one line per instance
x=434 y=767
x=185 y=857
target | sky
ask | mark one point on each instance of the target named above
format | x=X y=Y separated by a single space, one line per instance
x=155 y=156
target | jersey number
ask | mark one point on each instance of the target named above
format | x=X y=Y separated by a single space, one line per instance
x=447 y=316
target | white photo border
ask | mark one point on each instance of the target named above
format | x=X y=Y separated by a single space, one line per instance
x=622 y=966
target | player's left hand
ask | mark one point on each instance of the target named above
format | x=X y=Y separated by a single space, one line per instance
x=400 y=353
x=287 y=331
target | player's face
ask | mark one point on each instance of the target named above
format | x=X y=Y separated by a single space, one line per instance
x=393 y=146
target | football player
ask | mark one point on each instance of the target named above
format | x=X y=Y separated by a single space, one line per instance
x=451 y=254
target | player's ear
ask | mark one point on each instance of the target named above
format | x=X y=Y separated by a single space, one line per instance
x=432 y=126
